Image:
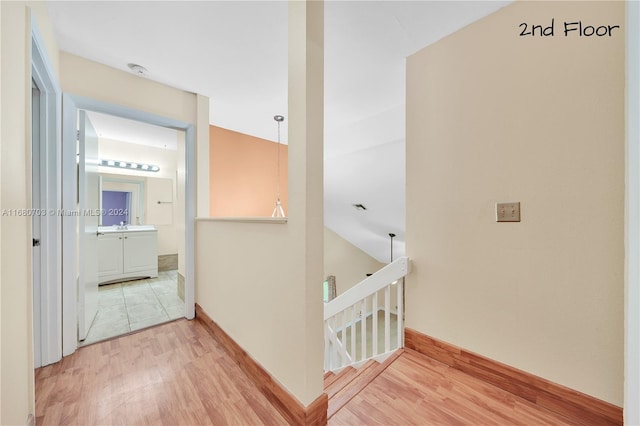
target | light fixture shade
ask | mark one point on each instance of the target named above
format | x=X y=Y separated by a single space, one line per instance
x=130 y=166
x=278 y=211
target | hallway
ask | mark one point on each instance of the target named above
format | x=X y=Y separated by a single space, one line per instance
x=173 y=374
x=177 y=374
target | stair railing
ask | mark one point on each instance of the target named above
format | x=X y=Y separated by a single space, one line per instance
x=347 y=341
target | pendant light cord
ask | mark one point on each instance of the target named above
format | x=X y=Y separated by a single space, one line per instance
x=278 y=183
x=278 y=211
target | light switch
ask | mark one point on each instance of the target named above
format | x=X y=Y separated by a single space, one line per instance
x=508 y=212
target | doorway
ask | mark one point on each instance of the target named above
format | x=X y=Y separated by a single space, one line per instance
x=139 y=231
x=184 y=209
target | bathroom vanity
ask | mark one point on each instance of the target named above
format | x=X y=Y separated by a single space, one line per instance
x=126 y=252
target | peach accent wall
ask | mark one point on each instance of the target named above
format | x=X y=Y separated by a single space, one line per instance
x=243 y=174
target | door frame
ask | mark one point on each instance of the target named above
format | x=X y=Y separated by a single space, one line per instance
x=632 y=220
x=48 y=324
x=69 y=204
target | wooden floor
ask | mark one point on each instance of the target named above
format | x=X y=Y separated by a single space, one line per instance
x=176 y=374
x=173 y=374
x=416 y=390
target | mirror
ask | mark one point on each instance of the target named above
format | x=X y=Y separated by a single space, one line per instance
x=121 y=200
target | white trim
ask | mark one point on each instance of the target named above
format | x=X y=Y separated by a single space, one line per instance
x=51 y=194
x=190 y=222
x=376 y=282
x=632 y=225
x=69 y=179
x=38 y=268
x=69 y=226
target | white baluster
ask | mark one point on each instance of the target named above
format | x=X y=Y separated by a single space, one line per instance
x=343 y=334
x=387 y=318
x=336 y=360
x=363 y=327
x=400 y=299
x=327 y=347
x=374 y=319
x=353 y=353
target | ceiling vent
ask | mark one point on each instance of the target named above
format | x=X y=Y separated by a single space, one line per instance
x=138 y=70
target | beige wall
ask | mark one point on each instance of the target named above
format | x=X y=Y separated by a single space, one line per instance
x=261 y=282
x=346 y=262
x=83 y=77
x=16 y=356
x=492 y=117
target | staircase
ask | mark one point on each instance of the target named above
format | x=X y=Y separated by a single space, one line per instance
x=344 y=385
x=366 y=322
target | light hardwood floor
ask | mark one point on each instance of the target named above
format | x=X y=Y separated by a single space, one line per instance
x=172 y=374
x=177 y=374
x=416 y=390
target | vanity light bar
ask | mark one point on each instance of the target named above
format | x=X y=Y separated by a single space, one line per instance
x=129 y=165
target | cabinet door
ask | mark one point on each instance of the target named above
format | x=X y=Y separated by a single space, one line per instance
x=109 y=254
x=140 y=251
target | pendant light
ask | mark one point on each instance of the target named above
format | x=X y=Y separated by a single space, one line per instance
x=391 y=235
x=278 y=211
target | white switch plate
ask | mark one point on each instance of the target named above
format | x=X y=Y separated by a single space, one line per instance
x=508 y=212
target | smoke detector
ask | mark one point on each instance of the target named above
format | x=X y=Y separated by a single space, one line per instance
x=138 y=70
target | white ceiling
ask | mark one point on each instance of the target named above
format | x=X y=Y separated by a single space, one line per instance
x=235 y=52
x=131 y=131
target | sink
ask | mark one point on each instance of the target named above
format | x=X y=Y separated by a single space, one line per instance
x=126 y=228
x=140 y=228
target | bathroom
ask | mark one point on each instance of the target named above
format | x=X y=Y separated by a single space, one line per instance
x=140 y=229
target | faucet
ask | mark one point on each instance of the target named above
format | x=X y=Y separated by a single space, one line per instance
x=123 y=225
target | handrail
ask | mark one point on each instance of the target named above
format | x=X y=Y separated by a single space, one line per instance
x=390 y=273
x=347 y=315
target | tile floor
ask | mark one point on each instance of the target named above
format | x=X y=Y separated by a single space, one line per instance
x=133 y=305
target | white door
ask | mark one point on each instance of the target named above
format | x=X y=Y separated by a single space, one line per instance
x=89 y=209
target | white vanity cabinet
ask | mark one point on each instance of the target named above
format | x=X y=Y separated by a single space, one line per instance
x=127 y=254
